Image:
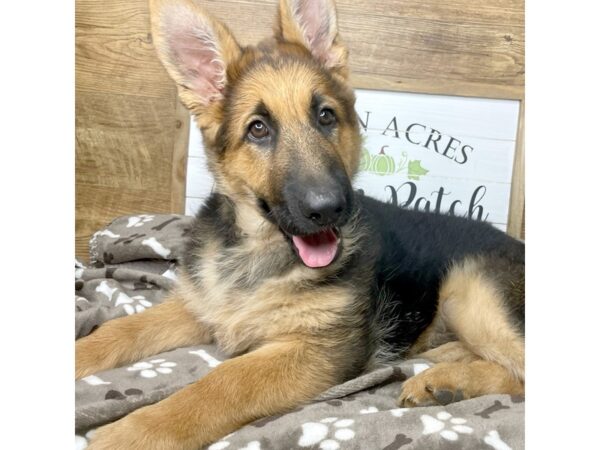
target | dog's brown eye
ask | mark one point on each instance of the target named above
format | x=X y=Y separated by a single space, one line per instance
x=326 y=117
x=258 y=130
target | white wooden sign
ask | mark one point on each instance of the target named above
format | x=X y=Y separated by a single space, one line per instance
x=199 y=181
x=431 y=152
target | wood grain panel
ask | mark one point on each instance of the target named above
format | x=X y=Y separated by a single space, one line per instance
x=475 y=12
x=124 y=141
x=114 y=50
x=131 y=131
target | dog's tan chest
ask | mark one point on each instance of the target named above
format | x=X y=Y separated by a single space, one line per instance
x=244 y=306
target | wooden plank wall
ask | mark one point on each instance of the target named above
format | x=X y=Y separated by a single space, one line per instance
x=132 y=133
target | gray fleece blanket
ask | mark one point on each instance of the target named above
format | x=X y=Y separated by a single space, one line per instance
x=133 y=263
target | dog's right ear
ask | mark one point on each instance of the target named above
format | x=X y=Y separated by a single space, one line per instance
x=195 y=48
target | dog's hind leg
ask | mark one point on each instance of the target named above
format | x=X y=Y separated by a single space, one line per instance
x=484 y=311
x=127 y=339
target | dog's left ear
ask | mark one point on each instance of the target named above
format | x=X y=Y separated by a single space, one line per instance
x=313 y=24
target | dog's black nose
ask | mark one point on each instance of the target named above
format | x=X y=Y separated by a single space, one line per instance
x=324 y=207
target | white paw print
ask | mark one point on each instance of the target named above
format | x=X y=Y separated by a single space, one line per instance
x=105 y=289
x=138 y=221
x=398 y=412
x=432 y=425
x=153 y=368
x=369 y=410
x=316 y=433
x=132 y=305
x=220 y=445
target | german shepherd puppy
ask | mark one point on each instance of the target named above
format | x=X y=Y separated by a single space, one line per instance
x=305 y=282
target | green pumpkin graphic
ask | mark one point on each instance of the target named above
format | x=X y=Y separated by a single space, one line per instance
x=365 y=159
x=382 y=164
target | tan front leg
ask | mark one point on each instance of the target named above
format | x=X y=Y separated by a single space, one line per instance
x=127 y=339
x=267 y=381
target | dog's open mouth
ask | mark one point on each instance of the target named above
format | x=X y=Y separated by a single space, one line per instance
x=318 y=249
x=314 y=250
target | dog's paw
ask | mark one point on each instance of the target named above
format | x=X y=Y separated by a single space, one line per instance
x=434 y=386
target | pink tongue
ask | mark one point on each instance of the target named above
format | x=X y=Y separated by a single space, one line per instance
x=317 y=250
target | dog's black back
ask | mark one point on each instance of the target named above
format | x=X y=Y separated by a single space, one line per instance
x=412 y=251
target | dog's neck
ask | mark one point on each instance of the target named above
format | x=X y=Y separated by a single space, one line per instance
x=243 y=219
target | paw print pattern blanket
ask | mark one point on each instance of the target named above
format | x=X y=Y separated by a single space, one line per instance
x=133 y=263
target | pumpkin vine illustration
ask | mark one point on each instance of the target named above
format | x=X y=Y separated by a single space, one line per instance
x=383 y=164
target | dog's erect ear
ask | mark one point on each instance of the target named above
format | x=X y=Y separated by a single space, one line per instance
x=313 y=24
x=194 y=48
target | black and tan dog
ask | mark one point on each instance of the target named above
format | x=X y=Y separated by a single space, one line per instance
x=303 y=281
